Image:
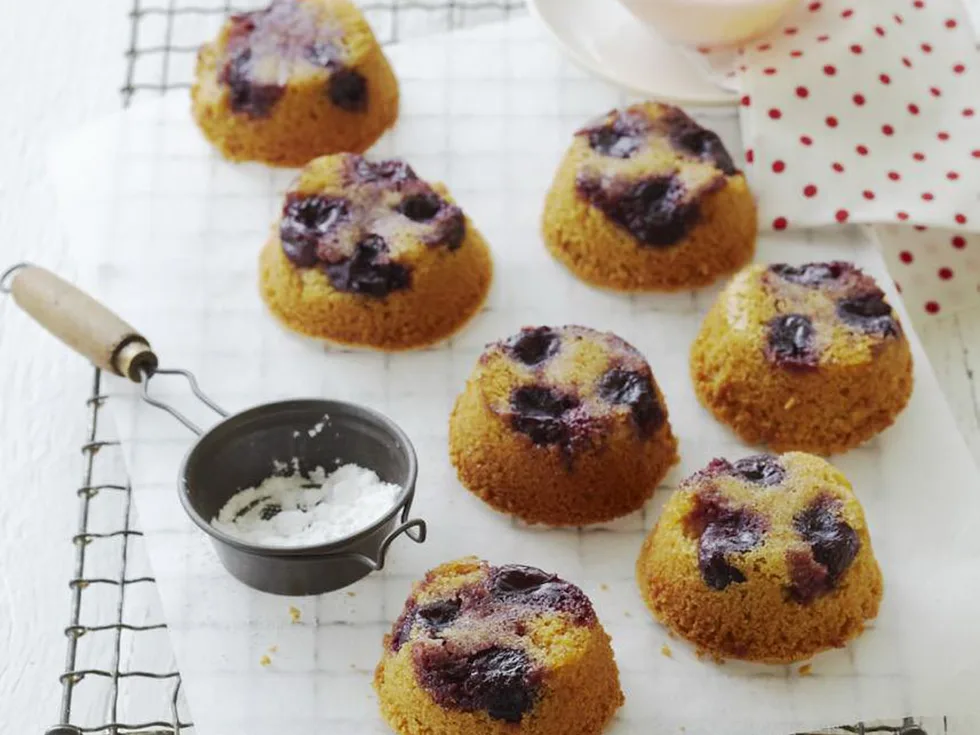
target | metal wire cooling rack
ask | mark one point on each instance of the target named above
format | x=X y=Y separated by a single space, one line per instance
x=164 y=37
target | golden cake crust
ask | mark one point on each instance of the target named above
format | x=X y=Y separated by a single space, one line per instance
x=720 y=239
x=575 y=678
x=859 y=381
x=448 y=282
x=599 y=464
x=302 y=123
x=775 y=614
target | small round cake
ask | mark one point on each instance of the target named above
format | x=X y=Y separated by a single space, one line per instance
x=368 y=254
x=806 y=357
x=564 y=426
x=505 y=650
x=764 y=559
x=294 y=81
x=648 y=200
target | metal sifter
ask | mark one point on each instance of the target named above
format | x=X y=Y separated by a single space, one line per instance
x=240 y=450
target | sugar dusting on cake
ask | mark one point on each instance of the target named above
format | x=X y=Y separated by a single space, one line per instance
x=288 y=510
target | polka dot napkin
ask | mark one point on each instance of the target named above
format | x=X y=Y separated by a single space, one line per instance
x=869 y=112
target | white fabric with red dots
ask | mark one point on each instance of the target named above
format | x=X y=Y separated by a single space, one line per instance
x=868 y=113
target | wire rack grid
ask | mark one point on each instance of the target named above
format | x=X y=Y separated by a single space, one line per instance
x=163 y=41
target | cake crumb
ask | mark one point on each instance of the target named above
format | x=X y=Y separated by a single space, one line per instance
x=806 y=670
x=273 y=649
x=703 y=654
x=265 y=660
x=351 y=594
x=295 y=614
x=665 y=651
x=604 y=587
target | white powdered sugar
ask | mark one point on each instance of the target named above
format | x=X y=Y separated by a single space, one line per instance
x=315 y=429
x=297 y=510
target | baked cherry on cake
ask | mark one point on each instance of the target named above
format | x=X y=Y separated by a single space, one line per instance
x=809 y=357
x=767 y=558
x=563 y=426
x=293 y=81
x=366 y=253
x=497 y=649
x=648 y=200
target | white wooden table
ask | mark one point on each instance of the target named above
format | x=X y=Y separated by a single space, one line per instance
x=61 y=66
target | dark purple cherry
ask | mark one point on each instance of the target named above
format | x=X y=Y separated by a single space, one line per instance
x=791 y=341
x=620 y=137
x=421 y=207
x=519 y=578
x=533 y=346
x=539 y=412
x=633 y=389
x=305 y=220
x=245 y=96
x=811 y=274
x=832 y=540
x=691 y=138
x=499 y=681
x=447 y=220
x=869 y=313
x=402 y=629
x=437 y=615
x=717 y=572
x=518 y=584
x=347 y=89
x=369 y=271
x=652 y=210
x=760 y=469
x=728 y=531
x=613 y=142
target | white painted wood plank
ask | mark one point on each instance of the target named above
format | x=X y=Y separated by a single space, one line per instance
x=61 y=66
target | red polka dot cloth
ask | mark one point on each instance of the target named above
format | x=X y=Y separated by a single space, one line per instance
x=869 y=112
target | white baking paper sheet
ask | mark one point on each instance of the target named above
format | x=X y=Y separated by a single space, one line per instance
x=169 y=234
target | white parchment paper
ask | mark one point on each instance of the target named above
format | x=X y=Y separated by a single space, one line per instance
x=169 y=235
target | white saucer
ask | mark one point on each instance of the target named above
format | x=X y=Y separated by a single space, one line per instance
x=604 y=38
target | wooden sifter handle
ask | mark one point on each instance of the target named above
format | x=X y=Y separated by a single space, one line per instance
x=82 y=323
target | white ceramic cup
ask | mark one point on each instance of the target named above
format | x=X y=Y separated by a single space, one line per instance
x=709 y=22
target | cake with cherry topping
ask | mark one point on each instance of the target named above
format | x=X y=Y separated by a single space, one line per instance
x=563 y=426
x=365 y=253
x=497 y=650
x=764 y=559
x=296 y=80
x=808 y=357
x=648 y=200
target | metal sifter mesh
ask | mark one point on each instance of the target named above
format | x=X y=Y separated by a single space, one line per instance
x=111 y=697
